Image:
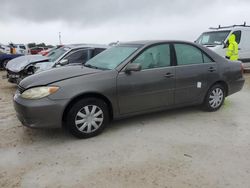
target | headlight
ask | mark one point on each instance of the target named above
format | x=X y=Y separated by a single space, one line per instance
x=39 y=92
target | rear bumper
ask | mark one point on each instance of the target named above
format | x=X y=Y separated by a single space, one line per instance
x=246 y=67
x=43 y=113
x=235 y=86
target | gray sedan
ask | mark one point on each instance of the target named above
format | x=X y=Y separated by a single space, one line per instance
x=127 y=80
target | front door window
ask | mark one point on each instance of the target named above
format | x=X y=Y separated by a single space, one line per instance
x=154 y=57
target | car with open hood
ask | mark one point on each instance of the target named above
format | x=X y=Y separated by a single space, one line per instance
x=22 y=67
x=126 y=80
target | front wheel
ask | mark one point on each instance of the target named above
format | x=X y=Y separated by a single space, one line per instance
x=215 y=98
x=87 y=118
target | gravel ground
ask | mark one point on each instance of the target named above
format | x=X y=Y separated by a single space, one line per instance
x=173 y=149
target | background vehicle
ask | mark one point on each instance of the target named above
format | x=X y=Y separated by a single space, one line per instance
x=5 y=58
x=71 y=54
x=20 y=49
x=36 y=50
x=4 y=49
x=126 y=80
x=217 y=40
x=46 y=52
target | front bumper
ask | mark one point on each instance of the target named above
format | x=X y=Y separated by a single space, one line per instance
x=13 y=77
x=42 y=113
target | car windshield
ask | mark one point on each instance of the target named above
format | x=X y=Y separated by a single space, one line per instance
x=213 y=38
x=55 y=54
x=111 y=58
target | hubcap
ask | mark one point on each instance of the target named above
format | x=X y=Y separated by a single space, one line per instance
x=89 y=119
x=216 y=98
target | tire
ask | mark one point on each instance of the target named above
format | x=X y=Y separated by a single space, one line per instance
x=215 y=98
x=87 y=118
x=5 y=62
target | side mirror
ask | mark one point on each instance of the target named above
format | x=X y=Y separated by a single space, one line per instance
x=225 y=44
x=63 y=62
x=133 y=67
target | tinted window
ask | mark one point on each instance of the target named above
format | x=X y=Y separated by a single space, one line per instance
x=187 y=54
x=37 y=48
x=80 y=56
x=97 y=51
x=154 y=57
x=237 y=36
x=22 y=47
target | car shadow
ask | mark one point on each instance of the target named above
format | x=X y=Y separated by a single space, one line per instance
x=62 y=135
x=154 y=116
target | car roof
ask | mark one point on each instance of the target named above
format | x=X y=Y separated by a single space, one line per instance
x=229 y=29
x=150 y=42
x=77 y=46
x=37 y=47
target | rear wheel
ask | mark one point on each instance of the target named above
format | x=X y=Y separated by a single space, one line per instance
x=87 y=118
x=215 y=98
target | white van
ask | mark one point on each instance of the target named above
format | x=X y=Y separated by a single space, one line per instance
x=21 y=49
x=217 y=40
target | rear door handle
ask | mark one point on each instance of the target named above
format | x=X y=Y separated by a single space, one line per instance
x=212 y=69
x=169 y=75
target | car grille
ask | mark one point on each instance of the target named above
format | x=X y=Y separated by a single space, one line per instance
x=12 y=74
x=20 y=89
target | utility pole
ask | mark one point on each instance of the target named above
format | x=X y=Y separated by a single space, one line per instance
x=60 y=40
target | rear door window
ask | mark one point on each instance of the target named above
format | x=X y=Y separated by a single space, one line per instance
x=187 y=54
x=206 y=59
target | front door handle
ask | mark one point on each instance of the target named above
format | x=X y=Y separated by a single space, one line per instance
x=169 y=75
x=212 y=69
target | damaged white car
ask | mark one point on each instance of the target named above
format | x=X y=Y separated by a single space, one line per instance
x=21 y=67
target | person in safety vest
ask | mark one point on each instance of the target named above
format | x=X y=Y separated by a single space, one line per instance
x=233 y=49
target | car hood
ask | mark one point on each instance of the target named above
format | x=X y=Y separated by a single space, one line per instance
x=19 y=63
x=55 y=75
x=44 y=66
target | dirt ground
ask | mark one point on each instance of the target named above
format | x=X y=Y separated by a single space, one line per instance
x=183 y=148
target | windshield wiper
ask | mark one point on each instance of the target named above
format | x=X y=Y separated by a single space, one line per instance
x=211 y=44
x=91 y=66
x=95 y=67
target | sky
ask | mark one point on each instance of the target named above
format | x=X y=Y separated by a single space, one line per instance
x=105 y=21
